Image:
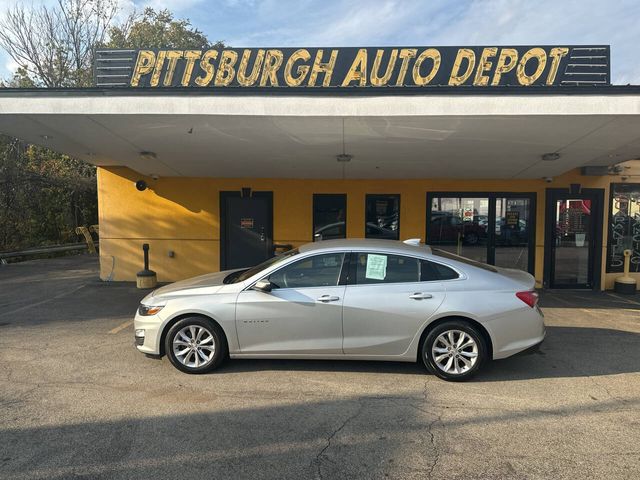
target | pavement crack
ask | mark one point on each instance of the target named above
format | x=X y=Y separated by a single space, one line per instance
x=319 y=457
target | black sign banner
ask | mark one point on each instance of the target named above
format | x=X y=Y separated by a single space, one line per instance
x=363 y=68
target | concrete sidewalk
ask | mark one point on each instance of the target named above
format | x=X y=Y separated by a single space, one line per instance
x=77 y=399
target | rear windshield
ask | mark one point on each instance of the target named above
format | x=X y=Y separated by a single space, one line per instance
x=458 y=258
x=242 y=275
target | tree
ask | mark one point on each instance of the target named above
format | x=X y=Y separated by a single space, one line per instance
x=54 y=45
x=44 y=195
x=158 y=29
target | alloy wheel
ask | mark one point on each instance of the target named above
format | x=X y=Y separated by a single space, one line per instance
x=194 y=346
x=454 y=352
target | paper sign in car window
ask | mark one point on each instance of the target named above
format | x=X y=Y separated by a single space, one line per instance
x=376 y=267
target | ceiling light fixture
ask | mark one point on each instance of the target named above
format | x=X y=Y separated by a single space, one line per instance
x=46 y=137
x=550 y=157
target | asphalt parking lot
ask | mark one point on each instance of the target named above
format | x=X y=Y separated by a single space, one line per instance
x=78 y=401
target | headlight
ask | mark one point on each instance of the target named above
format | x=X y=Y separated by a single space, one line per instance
x=148 y=310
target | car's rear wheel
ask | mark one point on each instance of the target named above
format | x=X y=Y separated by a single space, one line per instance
x=195 y=345
x=454 y=350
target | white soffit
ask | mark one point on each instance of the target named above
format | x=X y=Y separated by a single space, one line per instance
x=298 y=137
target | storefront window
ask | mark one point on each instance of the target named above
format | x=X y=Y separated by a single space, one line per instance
x=491 y=228
x=382 y=217
x=460 y=225
x=329 y=216
x=624 y=226
x=512 y=232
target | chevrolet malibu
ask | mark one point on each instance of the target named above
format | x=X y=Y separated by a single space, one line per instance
x=347 y=299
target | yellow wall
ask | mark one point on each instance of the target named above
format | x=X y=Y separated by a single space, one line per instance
x=182 y=215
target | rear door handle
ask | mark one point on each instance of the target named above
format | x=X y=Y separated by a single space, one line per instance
x=420 y=296
x=328 y=298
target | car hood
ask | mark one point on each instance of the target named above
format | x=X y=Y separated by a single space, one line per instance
x=202 y=281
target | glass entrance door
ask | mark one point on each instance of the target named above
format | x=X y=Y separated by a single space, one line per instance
x=572 y=243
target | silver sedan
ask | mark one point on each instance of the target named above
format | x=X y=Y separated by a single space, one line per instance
x=347 y=299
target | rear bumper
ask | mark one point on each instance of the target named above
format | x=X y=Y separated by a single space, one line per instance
x=516 y=332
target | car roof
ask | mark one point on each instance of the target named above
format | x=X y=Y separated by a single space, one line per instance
x=366 y=244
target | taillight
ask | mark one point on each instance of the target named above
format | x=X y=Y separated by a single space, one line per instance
x=528 y=297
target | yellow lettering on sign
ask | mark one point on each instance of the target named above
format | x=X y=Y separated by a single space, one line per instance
x=207 y=66
x=506 y=62
x=323 y=67
x=155 y=77
x=190 y=57
x=272 y=62
x=376 y=79
x=358 y=69
x=226 y=72
x=556 y=55
x=484 y=65
x=301 y=71
x=432 y=54
x=535 y=53
x=405 y=55
x=463 y=54
x=172 y=59
x=243 y=79
x=144 y=65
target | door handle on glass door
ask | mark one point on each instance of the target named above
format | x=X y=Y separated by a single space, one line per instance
x=420 y=296
x=328 y=298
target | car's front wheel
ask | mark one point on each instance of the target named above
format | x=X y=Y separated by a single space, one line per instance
x=195 y=345
x=454 y=350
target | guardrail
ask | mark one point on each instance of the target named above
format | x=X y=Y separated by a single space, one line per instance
x=43 y=250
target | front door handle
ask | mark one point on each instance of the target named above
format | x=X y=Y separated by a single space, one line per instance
x=420 y=296
x=328 y=298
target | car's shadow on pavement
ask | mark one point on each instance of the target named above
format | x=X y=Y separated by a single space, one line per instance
x=566 y=352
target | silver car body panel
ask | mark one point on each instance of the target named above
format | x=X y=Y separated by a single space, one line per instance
x=367 y=322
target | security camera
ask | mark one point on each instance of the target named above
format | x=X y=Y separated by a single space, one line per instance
x=141 y=185
x=155 y=177
x=548 y=179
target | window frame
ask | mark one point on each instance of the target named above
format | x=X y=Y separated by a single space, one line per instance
x=313 y=212
x=374 y=195
x=352 y=278
x=342 y=274
x=608 y=267
x=491 y=234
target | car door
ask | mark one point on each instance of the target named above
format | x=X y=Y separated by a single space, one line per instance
x=386 y=302
x=302 y=315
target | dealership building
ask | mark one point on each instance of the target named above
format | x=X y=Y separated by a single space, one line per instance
x=523 y=157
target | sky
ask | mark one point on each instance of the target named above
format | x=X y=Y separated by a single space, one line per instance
x=328 y=23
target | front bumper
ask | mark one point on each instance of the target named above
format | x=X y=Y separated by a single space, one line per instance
x=152 y=328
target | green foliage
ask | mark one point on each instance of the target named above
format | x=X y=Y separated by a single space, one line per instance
x=44 y=195
x=158 y=29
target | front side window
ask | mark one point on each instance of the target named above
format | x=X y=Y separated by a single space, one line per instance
x=242 y=275
x=316 y=271
x=386 y=268
x=382 y=218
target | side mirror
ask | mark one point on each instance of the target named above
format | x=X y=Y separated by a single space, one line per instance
x=263 y=285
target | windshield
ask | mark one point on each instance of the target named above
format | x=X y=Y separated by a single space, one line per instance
x=245 y=274
x=458 y=258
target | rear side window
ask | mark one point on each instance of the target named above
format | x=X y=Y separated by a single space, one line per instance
x=385 y=268
x=430 y=272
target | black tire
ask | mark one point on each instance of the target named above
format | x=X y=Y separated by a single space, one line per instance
x=219 y=344
x=481 y=349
